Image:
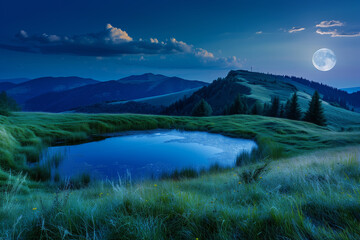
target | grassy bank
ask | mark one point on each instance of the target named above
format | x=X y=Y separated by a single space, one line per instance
x=23 y=135
x=314 y=196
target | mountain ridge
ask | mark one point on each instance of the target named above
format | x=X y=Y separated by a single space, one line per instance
x=35 y=87
x=114 y=90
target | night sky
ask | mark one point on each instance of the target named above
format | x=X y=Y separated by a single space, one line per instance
x=200 y=39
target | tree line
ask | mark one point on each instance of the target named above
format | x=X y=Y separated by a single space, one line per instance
x=290 y=110
x=332 y=95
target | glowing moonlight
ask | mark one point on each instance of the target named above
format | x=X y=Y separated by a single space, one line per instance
x=324 y=59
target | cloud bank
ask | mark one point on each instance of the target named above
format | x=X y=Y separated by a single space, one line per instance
x=110 y=42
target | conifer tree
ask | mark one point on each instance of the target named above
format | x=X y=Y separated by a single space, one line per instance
x=287 y=108
x=7 y=104
x=315 y=113
x=202 y=109
x=226 y=110
x=265 y=109
x=293 y=110
x=239 y=106
x=275 y=106
x=256 y=109
x=282 y=111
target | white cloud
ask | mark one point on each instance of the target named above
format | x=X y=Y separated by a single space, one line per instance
x=259 y=32
x=203 y=53
x=51 y=38
x=154 y=40
x=182 y=45
x=23 y=34
x=296 y=29
x=332 y=23
x=116 y=34
x=335 y=33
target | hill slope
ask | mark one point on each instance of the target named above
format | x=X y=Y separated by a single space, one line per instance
x=163 y=100
x=15 y=80
x=261 y=88
x=6 y=85
x=351 y=90
x=148 y=105
x=129 y=88
x=27 y=90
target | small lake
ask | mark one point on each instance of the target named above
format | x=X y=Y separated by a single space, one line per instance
x=146 y=154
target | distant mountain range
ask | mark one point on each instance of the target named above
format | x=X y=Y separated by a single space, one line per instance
x=159 y=94
x=351 y=90
x=6 y=85
x=15 y=80
x=33 y=88
x=57 y=94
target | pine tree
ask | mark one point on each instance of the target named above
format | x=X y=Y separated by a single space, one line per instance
x=315 y=113
x=226 y=110
x=293 y=110
x=256 y=109
x=282 y=111
x=7 y=104
x=265 y=109
x=202 y=109
x=239 y=106
x=275 y=106
x=287 y=108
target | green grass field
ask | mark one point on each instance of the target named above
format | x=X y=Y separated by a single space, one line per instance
x=310 y=192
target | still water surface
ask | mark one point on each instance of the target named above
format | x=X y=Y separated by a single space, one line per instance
x=148 y=154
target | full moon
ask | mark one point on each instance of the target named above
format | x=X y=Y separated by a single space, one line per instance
x=324 y=59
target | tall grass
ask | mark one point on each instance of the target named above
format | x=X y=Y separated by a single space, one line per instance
x=314 y=196
x=189 y=173
x=266 y=150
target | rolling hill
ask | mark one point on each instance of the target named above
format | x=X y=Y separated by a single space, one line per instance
x=148 y=105
x=129 y=88
x=27 y=90
x=6 y=85
x=332 y=95
x=259 y=87
x=162 y=100
x=15 y=80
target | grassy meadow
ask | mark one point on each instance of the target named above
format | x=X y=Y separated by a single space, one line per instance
x=307 y=188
